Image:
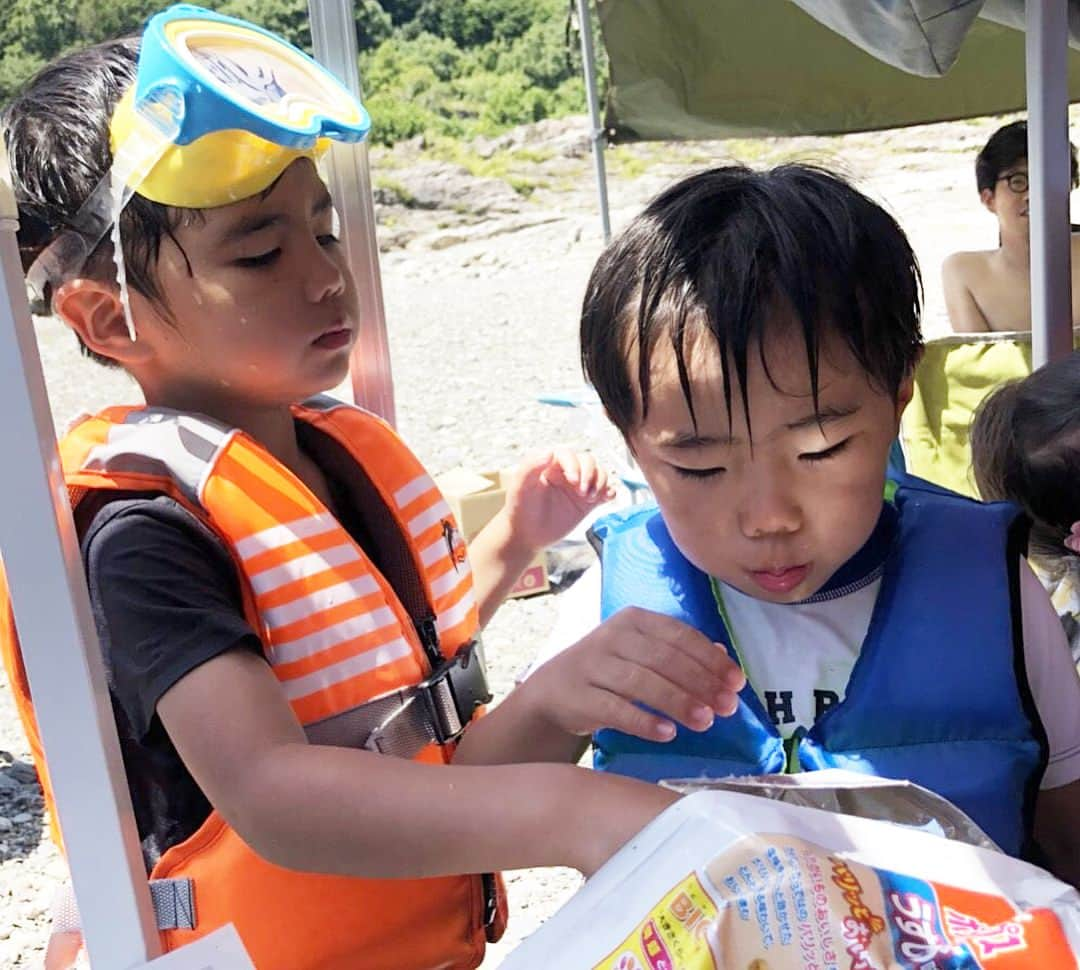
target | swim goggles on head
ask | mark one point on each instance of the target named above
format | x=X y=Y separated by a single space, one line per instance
x=219 y=109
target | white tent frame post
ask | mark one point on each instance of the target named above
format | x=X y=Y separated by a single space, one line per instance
x=333 y=34
x=1046 y=51
x=588 y=67
x=61 y=652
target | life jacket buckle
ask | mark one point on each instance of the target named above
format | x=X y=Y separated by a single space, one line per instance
x=453 y=692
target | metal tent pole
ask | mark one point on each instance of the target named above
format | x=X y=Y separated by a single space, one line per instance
x=60 y=647
x=1048 y=171
x=588 y=61
x=333 y=33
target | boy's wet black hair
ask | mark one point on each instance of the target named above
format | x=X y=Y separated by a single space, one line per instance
x=56 y=130
x=1006 y=148
x=1025 y=448
x=733 y=253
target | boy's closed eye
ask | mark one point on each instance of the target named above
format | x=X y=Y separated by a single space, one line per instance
x=698 y=472
x=270 y=256
x=811 y=457
x=267 y=258
x=825 y=453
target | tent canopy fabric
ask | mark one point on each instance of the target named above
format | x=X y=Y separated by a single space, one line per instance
x=695 y=69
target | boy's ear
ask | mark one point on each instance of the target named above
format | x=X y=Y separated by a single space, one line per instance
x=905 y=391
x=94 y=311
x=986 y=196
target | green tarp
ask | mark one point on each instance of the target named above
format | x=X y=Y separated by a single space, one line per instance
x=686 y=69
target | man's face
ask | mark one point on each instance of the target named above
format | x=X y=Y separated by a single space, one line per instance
x=1009 y=198
x=262 y=303
x=778 y=518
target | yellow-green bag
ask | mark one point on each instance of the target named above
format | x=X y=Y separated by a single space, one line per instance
x=955 y=374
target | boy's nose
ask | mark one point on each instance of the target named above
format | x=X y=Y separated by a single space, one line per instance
x=324 y=275
x=769 y=509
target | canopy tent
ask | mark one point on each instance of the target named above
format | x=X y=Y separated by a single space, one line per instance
x=37 y=535
x=702 y=69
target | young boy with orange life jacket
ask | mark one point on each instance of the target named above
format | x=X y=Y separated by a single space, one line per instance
x=284 y=605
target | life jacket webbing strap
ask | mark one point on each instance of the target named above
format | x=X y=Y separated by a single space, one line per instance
x=174 y=903
x=398 y=724
x=173 y=899
x=404 y=722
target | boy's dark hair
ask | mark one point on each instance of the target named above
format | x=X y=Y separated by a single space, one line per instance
x=1008 y=147
x=1025 y=448
x=732 y=252
x=56 y=130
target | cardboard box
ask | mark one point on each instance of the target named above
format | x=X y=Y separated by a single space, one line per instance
x=474 y=498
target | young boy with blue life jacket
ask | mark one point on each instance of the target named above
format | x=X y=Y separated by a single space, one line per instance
x=753 y=335
x=287 y=612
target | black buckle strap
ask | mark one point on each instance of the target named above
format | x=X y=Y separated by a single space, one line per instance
x=455 y=689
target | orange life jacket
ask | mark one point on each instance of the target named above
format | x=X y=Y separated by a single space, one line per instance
x=336 y=635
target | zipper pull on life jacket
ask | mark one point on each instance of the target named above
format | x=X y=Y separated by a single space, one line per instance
x=428 y=630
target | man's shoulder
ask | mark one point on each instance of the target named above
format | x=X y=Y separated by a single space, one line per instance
x=972 y=263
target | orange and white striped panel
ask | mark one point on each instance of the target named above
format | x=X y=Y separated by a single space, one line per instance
x=421 y=511
x=331 y=634
x=430 y=525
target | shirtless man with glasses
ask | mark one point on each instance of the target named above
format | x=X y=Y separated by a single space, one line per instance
x=991 y=289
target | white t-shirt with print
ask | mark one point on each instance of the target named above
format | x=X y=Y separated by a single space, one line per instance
x=799 y=656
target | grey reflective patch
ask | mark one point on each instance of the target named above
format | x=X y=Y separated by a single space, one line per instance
x=163 y=443
x=174 y=903
x=324 y=402
x=202 y=448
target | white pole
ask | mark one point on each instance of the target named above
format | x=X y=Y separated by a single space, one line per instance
x=60 y=647
x=1048 y=172
x=588 y=66
x=333 y=34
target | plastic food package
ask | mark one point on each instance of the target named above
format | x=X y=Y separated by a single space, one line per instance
x=725 y=879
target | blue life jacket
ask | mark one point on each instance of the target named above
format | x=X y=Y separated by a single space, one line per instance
x=938 y=694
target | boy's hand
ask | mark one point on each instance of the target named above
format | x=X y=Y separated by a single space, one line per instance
x=548 y=494
x=637 y=657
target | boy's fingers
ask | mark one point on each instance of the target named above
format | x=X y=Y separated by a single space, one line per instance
x=693 y=683
x=534 y=468
x=600 y=487
x=590 y=475
x=640 y=684
x=569 y=467
x=655 y=628
x=618 y=713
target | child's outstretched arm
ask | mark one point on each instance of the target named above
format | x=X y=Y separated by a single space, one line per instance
x=351 y=812
x=635 y=657
x=546 y=497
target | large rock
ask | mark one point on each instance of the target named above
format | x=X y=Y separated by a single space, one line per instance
x=440 y=185
x=564 y=137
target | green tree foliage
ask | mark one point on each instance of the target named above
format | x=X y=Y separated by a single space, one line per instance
x=437 y=67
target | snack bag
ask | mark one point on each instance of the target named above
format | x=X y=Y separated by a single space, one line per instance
x=729 y=880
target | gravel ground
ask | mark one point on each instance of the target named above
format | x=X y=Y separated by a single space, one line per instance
x=480 y=324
